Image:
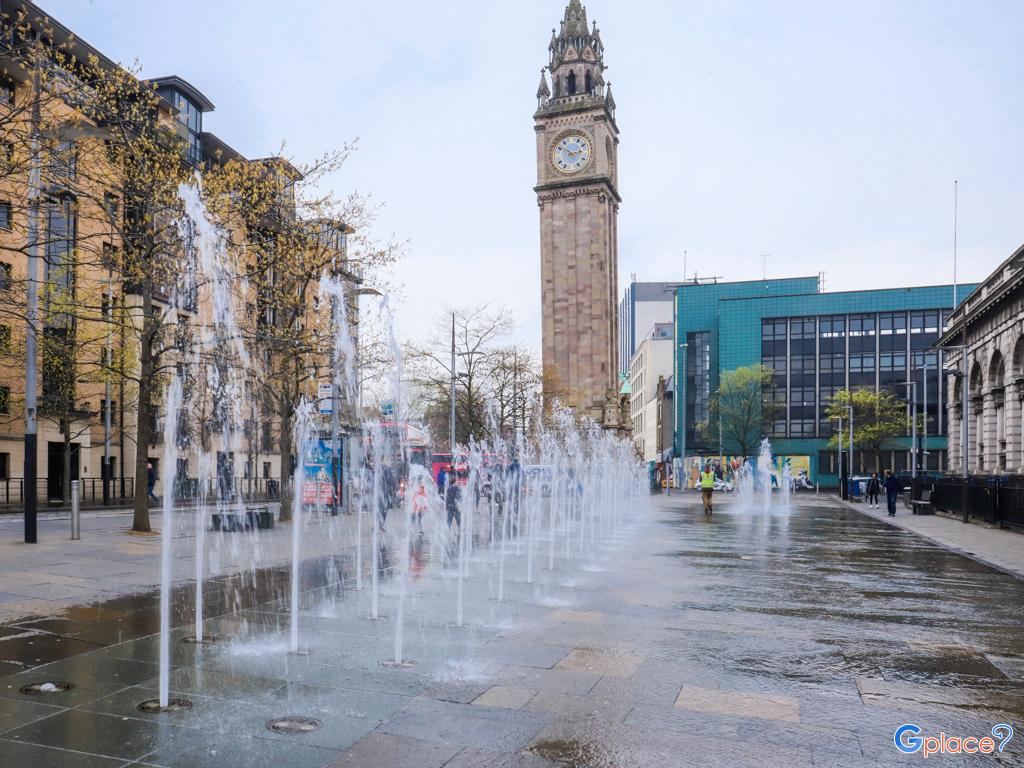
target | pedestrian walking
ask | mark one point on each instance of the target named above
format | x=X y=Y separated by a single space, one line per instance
x=388 y=493
x=874 y=488
x=151 y=482
x=442 y=475
x=707 y=487
x=452 y=496
x=892 y=489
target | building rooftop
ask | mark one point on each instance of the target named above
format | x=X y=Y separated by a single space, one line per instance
x=192 y=93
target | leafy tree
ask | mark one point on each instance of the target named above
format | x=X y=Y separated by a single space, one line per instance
x=741 y=408
x=878 y=418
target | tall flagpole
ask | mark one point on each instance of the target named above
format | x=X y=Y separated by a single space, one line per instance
x=955 y=201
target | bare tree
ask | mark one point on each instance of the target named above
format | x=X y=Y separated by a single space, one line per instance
x=478 y=332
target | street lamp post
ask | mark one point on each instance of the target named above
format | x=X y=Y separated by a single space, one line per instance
x=451 y=417
x=32 y=316
x=107 y=412
x=912 y=386
x=682 y=411
x=849 y=459
x=843 y=494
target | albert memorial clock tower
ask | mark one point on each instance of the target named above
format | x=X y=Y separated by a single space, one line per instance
x=577 y=193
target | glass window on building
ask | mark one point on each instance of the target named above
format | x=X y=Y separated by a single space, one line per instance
x=802 y=411
x=192 y=117
x=831 y=364
x=863 y=348
x=925 y=371
x=61 y=226
x=892 y=371
x=775 y=400
x=924 y=329
x=698 y=395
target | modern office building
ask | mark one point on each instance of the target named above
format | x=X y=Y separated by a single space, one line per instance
x=642 y=305
x=817 y=344
x=995 y=362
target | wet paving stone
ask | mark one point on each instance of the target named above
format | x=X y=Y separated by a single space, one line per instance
x=93 y=733
x=37 y=756
x=504 y=697
x=718 y=701
x=995 y=702
x=16 y=713
x=481 y=758
x=499 y=730
x=180 y=748
x=384 y=749
x=600 y=663
x=92 y=677
x=32 y=649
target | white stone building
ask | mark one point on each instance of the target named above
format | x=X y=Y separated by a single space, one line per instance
x=652 y=359
x=995 y=347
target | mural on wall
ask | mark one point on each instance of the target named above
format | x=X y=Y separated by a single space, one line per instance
x=725 y=468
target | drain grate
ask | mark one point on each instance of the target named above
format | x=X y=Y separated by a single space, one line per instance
x=152 y=706
x=193 y=640
x=42 y=689
x=293 y=724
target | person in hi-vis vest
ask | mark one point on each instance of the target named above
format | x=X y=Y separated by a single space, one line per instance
x=707 y=487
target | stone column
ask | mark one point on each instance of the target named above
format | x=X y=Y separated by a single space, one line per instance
x=973 y=433
x=1000 y=447
x=953 y=431
x=988 y=447
x=1013 y=426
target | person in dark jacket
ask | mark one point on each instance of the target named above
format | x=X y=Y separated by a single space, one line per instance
x=874 y=488
x=452 y=495
x=151 y=482
x=442 y=475
x=388 y=493
x=892 y=489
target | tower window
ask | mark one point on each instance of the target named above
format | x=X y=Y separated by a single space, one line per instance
x=572 y=83
x=589 y=82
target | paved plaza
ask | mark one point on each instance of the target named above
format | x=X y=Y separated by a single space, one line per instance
x=800 y=639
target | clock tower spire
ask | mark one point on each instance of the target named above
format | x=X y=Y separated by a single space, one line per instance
x=578 y=199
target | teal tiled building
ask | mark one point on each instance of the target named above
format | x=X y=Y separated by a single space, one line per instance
x=817 y=344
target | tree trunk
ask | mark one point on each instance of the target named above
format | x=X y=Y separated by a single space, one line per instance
x=140 y=520
x=286 y=409
x=287 y=491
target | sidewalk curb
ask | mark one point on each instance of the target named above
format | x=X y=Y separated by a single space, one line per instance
x=895 y=523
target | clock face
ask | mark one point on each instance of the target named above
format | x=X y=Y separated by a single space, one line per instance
x=571 y=154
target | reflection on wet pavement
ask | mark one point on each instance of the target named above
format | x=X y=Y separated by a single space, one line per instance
x=798 y=640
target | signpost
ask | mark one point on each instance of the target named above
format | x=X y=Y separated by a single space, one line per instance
x=325 y=397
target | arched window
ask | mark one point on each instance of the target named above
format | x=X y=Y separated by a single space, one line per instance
x=557 y=84
x=572 y=83
x=589 y=83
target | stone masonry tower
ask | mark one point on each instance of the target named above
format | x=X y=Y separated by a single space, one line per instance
x=579 y=201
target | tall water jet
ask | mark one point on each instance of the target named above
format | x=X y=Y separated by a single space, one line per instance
x=305 y=434
x=376 y=521
x=223 y=355
x=173 y=400
x=764 y=472
x=785 y=485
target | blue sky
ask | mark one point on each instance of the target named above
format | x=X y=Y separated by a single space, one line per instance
x=826 y=134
